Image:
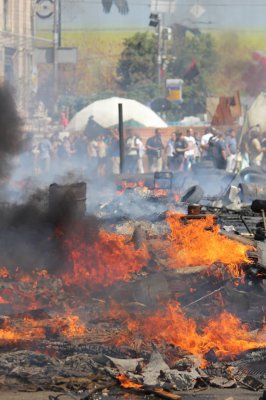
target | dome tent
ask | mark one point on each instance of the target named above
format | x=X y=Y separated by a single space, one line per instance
x=105 y=113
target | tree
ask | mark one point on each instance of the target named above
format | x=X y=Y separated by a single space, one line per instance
x=137 y=64
x=137 y=68
x=201 y=48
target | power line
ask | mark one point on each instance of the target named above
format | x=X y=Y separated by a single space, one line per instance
x=182 y=4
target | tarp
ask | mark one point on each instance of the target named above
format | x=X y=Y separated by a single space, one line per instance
x=105 y=113
x=256 y=115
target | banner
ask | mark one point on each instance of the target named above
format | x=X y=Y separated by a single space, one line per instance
x=174 y=90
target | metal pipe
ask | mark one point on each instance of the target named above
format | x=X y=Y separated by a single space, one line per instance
x=121 y=138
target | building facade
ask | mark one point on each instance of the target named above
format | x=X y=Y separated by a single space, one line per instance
x=16 y=47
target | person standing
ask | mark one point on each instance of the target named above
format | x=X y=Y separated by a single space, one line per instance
x=114 y=151
x=131 y=153
x=219 y=152
x=64 y=120
x=170 y=152
x=92 y=151
x=155 y=147
x=191 y=152
x=141 y=153
x=45 y=154
x=255 y=151
x=181 y=147
x=197 y=137
x=205 y=144
x=231 y=150
x=102 y=153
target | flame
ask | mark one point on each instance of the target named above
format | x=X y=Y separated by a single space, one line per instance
x=28 y=328
x=4 y=273
x=127 y=383
x=103 y=262
x=157 y=192
x=111 y=258
x=198 y=242
x=226 y=334
x=3 y=301
x=74 y=327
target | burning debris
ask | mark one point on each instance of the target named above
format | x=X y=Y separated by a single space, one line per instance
x=145 y=312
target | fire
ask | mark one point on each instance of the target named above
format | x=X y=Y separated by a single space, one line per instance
x=74 y=327
x=113 y=257
x=198 y=242
x=127 y=383
x=226 y=334
x=28 y=328
x=4 y=273
x=109 y=259
x=160 y=192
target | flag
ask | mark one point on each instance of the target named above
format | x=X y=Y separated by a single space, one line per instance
x=192 y=71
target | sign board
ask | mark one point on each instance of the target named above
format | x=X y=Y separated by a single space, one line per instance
x=45 y=55
x=197 y=10
x=163 y=6
x=174 y=90
x=44 y=8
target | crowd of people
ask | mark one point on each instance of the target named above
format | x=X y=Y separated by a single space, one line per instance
x=183 y=149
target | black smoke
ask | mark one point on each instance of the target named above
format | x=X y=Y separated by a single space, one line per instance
x=11 y=130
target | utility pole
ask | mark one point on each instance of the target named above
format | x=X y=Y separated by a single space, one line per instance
x=59 y=23
x=159 y=57
x=55 y=48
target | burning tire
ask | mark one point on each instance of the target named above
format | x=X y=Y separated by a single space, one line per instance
x=193 y=195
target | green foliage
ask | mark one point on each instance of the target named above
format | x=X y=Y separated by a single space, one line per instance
x=137 y=63
x=201 y=48
x=137 y=68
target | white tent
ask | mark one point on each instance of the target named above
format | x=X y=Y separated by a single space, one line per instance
x=256 y=114
x=105 y=113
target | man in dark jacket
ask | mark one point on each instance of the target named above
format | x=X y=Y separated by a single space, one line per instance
x=155 y=147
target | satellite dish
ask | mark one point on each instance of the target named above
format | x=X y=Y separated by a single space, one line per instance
x=44 y=8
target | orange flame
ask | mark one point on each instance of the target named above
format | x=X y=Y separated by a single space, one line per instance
x=198 y=242
x=127 y=383
x=73 y=328
x=31 y=329
x=225 y=333
x=107 y=260
x=4 y=273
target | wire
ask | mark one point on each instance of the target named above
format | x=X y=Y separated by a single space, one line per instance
x=239 y=4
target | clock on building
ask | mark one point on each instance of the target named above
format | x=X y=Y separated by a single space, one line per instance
x=44 y=8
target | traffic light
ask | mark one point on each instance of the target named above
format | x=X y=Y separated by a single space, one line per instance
x=167 y=34
x=154 y=20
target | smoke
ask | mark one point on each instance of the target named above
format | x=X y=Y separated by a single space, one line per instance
x=11 y=139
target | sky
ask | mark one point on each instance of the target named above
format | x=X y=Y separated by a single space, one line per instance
x=218 y=14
